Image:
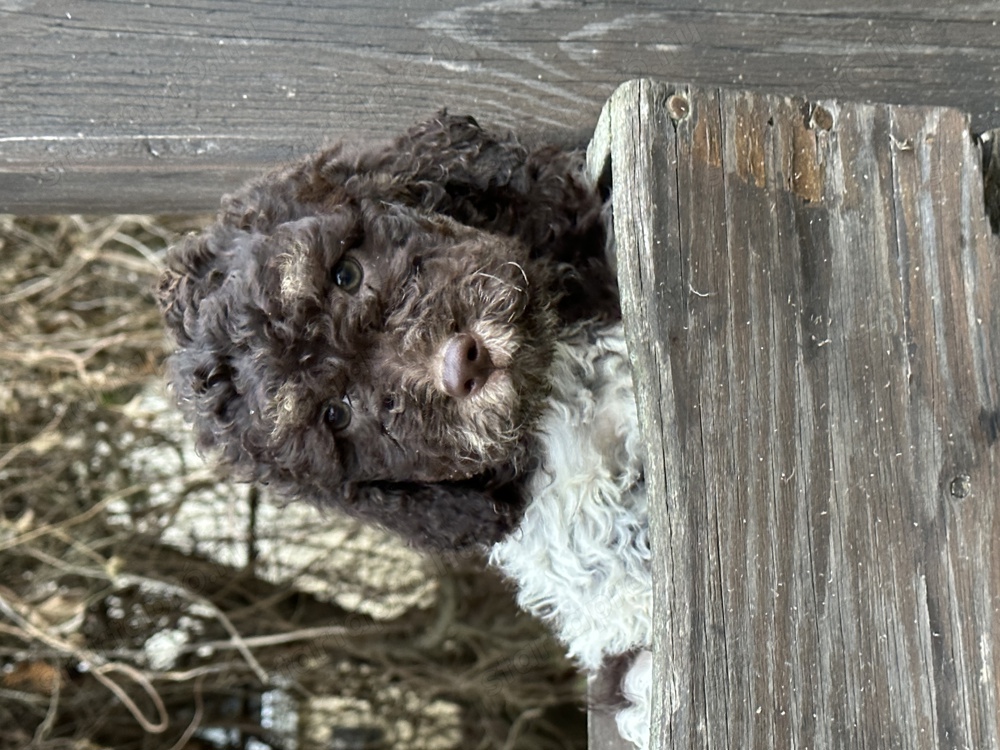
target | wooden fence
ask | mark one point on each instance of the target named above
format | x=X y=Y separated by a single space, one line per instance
x=110 y=106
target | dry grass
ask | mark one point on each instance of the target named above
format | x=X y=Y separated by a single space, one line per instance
x=117 y=630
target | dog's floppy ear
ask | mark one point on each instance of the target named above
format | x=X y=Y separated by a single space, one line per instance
x=203 y=369
x=448 y=165
x=452 y=166
x=445 y=517
x=196 y=267
x=490 y=181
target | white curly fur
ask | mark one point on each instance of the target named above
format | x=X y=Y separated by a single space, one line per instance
x=580 y=556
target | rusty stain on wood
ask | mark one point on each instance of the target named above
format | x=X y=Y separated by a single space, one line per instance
x=806 y=169
x=705 y=144
x=748 y=141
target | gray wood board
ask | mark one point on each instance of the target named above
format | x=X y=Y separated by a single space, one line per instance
x=602 y=733
x=120 y=106
x=809 y=302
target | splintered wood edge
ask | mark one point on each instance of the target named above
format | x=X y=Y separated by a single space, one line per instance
x=602 y=729
x=630 y=121
x=599 y=148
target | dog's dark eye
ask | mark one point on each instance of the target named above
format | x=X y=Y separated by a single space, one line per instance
x=337 y=415
x=347 y=274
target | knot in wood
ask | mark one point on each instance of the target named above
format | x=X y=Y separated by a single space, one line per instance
x=821 y=118
x=678 y=107
x=961 y=486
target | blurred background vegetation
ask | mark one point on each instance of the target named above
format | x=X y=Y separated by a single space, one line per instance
x=144 y=603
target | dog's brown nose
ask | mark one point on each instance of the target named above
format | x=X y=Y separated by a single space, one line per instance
x=467 y=366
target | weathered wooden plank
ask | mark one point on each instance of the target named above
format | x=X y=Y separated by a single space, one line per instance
x=644 y=158
x=152 y=106
x=602 y=733
x=808 y=298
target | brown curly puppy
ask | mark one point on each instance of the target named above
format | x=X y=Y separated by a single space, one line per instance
x=371 y=330
x=427 y=336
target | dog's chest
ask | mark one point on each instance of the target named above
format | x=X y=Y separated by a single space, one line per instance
x=580 y=556
x=590 y=432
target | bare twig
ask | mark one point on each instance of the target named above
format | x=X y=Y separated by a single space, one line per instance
x=101 y=675
x=199 y=709
x=99 y=667
x=127 y=579
x=50 y=715
x=87 y=515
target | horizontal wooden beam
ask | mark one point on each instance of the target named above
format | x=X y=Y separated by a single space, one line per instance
x=119 y=106
x=809 y=290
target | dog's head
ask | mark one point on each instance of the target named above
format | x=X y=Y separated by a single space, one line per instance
x=356 y=346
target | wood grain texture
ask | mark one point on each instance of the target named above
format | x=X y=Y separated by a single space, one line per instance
x=808 y=293
x=602 y=733
x=122 y=106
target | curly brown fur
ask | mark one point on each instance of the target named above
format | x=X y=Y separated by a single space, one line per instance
x=333 y=287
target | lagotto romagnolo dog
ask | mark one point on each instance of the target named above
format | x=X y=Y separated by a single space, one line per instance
x=427 y=336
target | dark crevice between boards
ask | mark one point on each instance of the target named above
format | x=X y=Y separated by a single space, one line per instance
x=990 y=144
